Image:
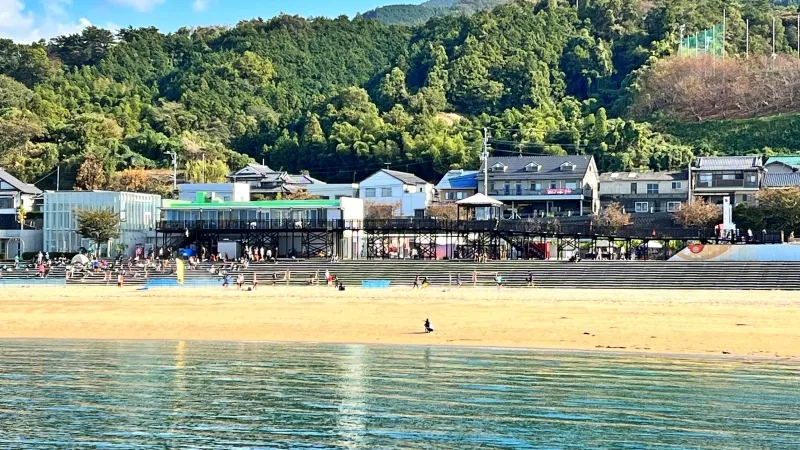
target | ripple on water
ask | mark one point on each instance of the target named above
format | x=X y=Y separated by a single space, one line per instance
x=153 y=395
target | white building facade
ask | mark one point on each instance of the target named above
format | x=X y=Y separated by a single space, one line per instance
x=226 y=192
x=138 y=215
x=411 y=193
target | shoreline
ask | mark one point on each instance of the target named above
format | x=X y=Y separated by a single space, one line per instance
x=668 y=323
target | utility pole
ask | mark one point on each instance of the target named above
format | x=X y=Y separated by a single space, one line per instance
x=773 y=37
x=680 y=43
x=58 y=178
x=797 y=32
x=174 y=170
x=747 y=37
x=724 y=30
x=485 y=156
x=204 y=167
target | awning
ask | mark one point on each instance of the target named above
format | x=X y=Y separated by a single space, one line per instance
x=479 y=200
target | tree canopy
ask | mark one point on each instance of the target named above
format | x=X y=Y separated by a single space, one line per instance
x=342 y=98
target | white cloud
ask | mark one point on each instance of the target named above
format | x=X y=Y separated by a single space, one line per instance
x=22 y=25
x=140 y=5
x=200 y=5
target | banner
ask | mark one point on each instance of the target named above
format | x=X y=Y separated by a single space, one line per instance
x=560 y=191
x=180 y=270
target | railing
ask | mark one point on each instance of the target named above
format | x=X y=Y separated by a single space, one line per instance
x=725 y=184
x=544 y=192
x=540 y=226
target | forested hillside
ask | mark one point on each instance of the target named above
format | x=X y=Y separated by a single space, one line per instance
x=405 y=14
x=342 y=97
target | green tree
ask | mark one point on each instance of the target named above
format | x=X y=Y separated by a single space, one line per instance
x=98 y=225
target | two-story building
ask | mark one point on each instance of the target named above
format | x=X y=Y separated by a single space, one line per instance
x=550 y=185
x=268 y=183
x=15 y=237
x=782 y=172
x=643 y=192
x=410 y=193
x=457 y=185
x=736 y=177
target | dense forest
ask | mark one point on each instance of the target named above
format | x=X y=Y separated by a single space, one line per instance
x=419 y=14
x=341 y=98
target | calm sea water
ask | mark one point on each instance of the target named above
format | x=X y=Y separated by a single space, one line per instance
x=155 y=395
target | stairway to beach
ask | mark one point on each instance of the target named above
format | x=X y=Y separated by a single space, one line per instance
x=547 y=274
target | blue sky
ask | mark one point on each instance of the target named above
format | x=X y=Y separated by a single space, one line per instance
x=30 y=20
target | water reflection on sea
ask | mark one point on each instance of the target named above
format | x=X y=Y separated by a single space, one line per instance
x=141 y=395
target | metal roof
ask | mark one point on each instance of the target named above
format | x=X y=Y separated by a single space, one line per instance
x=791 y=161
x=405 y=177
x=25 y=188
x=459 y=179
x=643 y=176
x=265 y=204
x=728 y=162
x=782 y=179
x=550 y=166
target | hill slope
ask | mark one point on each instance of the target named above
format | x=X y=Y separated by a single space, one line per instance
x=405 y=14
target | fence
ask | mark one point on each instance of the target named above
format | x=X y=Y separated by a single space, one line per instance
x=706 y=42
x=33 y=282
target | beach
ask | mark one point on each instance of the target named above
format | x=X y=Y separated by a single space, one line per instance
x=738 y=323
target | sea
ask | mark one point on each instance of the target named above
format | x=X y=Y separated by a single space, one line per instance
x=224 y=395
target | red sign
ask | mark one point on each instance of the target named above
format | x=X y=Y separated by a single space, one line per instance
x=562 y=191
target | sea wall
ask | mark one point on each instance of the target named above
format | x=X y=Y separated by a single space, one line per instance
x=777 y=252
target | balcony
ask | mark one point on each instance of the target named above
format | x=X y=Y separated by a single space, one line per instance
x=541 y=194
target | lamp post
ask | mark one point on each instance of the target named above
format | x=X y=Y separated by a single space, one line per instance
x=174 y=169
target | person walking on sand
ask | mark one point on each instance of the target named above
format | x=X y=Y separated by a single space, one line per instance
x=120 y=279
x=428 y=326
x=424 y=282
x=255 y=281
x=226 y=280
x=498 y=279
x=416 y=282
x=530 y=279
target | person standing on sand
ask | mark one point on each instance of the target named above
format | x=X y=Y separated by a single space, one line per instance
x=120 y=279
x=255 y=281
x=226 y=280
x=416 y=283
x=428 y=326
x=498 y=279
x=530 y=279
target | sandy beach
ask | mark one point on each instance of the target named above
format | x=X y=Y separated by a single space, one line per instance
x=690 y=322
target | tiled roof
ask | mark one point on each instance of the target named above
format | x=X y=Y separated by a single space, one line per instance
x=782 y=179
x=728 y=162
x=17 y=184
x=643 y=176
x=550 y=166
x=791 y=161
x=405 y=177
x=459 y=179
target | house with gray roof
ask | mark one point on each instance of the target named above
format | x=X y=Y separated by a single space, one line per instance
x=457 y=185
x=736 y=177
x=782 y=171
x=645 y=192
x=15 y=194
x=409 y=193
x=268 y=183
x=545 y=185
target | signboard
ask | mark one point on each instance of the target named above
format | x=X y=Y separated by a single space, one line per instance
x=560 y=191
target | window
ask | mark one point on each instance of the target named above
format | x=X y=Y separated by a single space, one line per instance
x=518 y=188
x=677 y=185
x=491 y=186
x=633 y=188
x=459 y=195
x=744 y=197
x=705 y=179
x=571 y=185
x=536 y=186
x=386 y=192
x=507 y=188
x=673 y=206
x=728 y=176
x=652 y=188
x=369 y=192
x=553 y=185
x=642 y=207
x=6 y=202
x=449 y=195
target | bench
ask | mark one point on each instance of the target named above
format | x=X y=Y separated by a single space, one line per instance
x=375 y=284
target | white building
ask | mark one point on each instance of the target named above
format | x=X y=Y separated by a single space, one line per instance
x=138 y=215
x=332 y=191
x=411 y=193
x=226 y=192
x=15 y=238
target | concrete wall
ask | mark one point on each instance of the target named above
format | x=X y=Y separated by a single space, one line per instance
x=623 y=187
x=32 y=242
x=777 y=252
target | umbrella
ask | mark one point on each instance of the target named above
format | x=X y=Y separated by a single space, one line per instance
x=82 y=259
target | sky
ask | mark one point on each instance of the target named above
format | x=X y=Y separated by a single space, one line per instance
x=26 y=21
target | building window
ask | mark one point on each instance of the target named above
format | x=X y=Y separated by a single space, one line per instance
x=705 y=179
x=744 y=197
x=449 y=195
x=633 y=188
x=386 y=192
x=459 y=195
x=369 y=192
x=6 y=202
x=553 y=185
x=491 y=186
x=536 y=186
x=642 y=207
x=677 y=185
x=728 y=176
x=571 y=185
x=518 y=188
x=652 y=188
x=507 y=188
x=673 y=206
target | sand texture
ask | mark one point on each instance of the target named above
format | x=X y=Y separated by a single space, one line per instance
x=738 y=323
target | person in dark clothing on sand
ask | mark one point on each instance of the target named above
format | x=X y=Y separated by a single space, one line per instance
x=428 y=327
x=529 y=279
x=416 y=282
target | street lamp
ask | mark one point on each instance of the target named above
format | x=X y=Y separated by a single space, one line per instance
x=174 y=169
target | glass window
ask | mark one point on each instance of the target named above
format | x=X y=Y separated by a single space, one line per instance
x=642 y=207
x=386 y=192
x=459 y=195
x=369 y=192
x=633 y=188
x=677 y=185
x=744 y=197
x=449 y=195
x=652 y=188
x=553 y=185
x=705 y=179
x=673 y=206
x=571 y=185
x=6 y=202
x=728 y=176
